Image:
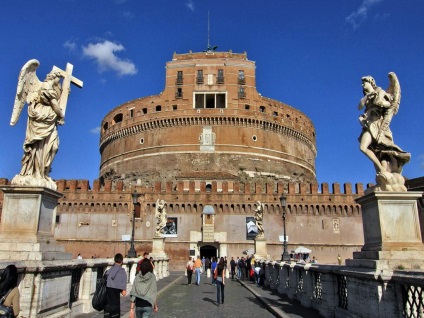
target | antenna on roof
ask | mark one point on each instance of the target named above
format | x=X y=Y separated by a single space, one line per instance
x=210 y=48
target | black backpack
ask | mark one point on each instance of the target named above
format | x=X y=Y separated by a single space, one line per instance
x=100 y=295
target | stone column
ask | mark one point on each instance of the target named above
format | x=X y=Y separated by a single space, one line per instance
x=27 y=224
x=392 y=232
x=260 y=249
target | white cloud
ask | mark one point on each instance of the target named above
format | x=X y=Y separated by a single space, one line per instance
x=190 y=5
x=95 y=131
x=104 y=55
x=357 y=17
x=128 y=15
x=421 y=159
x=71 y=46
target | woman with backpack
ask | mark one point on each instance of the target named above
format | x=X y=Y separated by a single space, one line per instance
x=189 y=267
x=219 y=274
x=213 y=266
x=144 y=292
x=9 y=292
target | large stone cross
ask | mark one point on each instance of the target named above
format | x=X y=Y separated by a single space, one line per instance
x=66 y=84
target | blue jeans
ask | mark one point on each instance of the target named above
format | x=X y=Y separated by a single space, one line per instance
x=198 y=275
x=143 y=312
x=219 y=291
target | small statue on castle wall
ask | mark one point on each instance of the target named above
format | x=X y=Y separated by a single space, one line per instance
x=259 y=215
x=376 y=139
x=160 y=215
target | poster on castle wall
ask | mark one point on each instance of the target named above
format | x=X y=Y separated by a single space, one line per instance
x=170 y=230
x=251 y=228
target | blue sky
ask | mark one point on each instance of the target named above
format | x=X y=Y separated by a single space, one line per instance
x=309 y=54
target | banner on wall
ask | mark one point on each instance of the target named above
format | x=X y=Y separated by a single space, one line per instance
x=251 y=228
x=170 y=230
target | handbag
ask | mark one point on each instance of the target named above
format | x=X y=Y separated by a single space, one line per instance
x=100 y=295
x=6 y=311
x=215 y=273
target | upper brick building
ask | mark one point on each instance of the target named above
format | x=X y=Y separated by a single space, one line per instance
x=209 y=118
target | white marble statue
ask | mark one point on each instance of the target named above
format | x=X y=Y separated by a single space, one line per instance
x=46 y=110
x=160 y=215
x=259 y=216
x=376 y=139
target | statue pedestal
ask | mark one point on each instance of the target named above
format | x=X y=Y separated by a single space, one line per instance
x=392 y=235
x=260 y=249
x=158 y=247
x=27 y=224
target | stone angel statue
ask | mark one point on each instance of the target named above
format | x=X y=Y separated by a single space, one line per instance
x=259 y=216
x=160 y=215
x=46 y=110
x=376 y=139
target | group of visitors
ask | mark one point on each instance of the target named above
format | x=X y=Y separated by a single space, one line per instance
x=143 y=293
x=243 y=268
x=217 y=273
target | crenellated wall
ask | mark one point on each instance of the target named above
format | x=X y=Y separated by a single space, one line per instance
x=92 y=219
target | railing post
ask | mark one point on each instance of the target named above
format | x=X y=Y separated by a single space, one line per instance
x=274 y=275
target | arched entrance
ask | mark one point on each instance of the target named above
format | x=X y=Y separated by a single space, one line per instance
x=208 y=251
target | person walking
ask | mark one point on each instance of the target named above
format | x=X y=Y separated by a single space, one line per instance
x=9 y=289
x=144 y=292
x=116 y=286
x=203 y=264
x=189 y=267
x=242 y=266
x=197 y=268
x=213 y=266
x=238 y=268
x=207 y=265
x=220 y=281
x=233 y=267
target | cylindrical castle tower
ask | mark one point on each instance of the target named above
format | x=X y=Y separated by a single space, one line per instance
x=208 y=119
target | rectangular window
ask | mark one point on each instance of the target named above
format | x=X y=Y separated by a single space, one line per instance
x=242 y=93
x=179 y=77
x=174 y=107
x=220 y=100
x=220 y=77
x=241 y=79
x=131 y=114
x=210 y=100
x=199 y=78
x=179 y=93
x=199 y=101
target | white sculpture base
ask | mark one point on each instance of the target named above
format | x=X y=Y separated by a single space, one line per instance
x=260 y=249
x=158 y=247
x=392 y=235
x=27 y=225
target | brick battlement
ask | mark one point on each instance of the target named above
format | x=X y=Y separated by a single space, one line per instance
x=180 y=187
x=81 y=186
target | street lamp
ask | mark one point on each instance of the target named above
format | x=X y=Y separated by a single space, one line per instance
x=285 y=256
x=131 y=252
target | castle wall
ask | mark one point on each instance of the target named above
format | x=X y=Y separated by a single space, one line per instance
x=325 y=221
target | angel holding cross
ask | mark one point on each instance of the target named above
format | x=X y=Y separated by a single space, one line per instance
x=46 y=109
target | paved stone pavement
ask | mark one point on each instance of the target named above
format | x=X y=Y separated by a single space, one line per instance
x=242 y=299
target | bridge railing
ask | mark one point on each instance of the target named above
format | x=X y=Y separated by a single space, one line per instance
x=340 y=291
x=65 y=288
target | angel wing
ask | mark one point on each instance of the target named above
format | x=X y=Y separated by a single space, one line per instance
x=394 y=90
x=27 y=90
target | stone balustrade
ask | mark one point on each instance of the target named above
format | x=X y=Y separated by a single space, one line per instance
x=341 y=291
x=65 y=288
